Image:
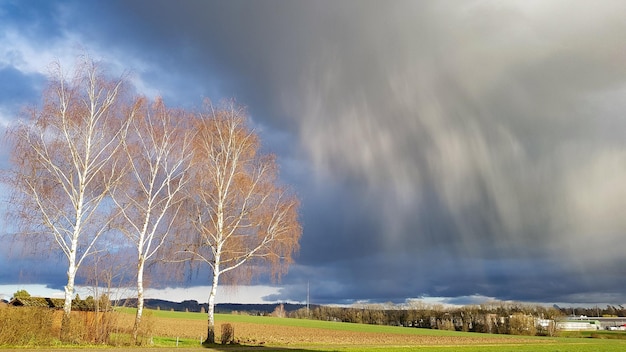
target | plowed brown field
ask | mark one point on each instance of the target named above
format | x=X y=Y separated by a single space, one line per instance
x=298 y=336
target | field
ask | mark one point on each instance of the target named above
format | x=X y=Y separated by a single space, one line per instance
x=279 y=334
x=183 y=332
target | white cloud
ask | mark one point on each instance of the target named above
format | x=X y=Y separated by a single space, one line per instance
x=226 y=294
x=5 y=121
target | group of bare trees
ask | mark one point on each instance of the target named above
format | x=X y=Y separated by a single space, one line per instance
x=494 y=317
x=96 y=167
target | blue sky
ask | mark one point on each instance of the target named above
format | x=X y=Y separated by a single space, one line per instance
x=460 y=150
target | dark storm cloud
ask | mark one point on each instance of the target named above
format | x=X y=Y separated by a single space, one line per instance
x=37 y=19
x=18 y=89
x=24 y=266
x=440 y=148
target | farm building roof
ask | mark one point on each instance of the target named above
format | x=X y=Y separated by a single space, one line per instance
x=43 y=302
x=57 y=303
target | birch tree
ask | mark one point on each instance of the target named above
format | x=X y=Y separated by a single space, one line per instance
x=157 y=150
x=242 y=216
x=63 y=165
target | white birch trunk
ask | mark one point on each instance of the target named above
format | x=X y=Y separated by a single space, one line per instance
x=71 y=276
x=211 y=310
x=140 y=268
x=69 y=290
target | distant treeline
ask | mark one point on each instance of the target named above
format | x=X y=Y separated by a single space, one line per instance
x=493 y=317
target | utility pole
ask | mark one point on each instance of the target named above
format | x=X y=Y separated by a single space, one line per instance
x=307 y=299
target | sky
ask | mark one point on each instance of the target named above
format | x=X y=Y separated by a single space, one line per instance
x=453 y=150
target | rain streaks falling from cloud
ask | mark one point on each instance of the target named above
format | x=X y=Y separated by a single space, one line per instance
x=477 y=127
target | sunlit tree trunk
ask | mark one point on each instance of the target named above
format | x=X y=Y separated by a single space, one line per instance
x=69 y=291
x=211 y=311
x=71 y=269
x=140 y=299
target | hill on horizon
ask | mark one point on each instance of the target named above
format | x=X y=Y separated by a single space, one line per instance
x=221 y=308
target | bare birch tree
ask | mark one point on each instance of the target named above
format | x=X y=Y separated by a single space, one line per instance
x=63 y=167
x=241 y=215
x=157 y=150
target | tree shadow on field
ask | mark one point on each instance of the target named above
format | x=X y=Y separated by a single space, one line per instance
x=257 y=348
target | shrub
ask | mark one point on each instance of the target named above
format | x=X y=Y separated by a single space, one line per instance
x=92 y=327
x=23 y=326
x=228 y=334
x=30 y=326
x=521 y=324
